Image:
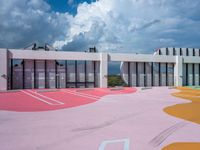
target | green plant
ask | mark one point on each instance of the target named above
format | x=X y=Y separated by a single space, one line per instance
x=115 y=80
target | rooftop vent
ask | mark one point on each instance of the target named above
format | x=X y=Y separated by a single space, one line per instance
x=92 y=50
x=35 y=46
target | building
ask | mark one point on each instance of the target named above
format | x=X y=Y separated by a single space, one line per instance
x=45 y=67
x=163 y=73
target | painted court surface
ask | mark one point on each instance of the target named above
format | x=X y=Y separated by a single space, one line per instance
x=44 y=100
x=99 y=119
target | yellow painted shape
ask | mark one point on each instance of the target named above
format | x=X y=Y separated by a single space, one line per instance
x=183 y=146
x=188 y=111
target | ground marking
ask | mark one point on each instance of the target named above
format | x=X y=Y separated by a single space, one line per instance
x=36 y=97
x=81 y=95
x=126 y=143
x=85 y=94
x=77 y=94
x=111 y=92
x=59 y=103
x=102 y=90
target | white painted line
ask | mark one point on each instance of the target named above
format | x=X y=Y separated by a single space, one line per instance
x=81 y=95
x=61 y=103
x=102 y=90
x=77 y=94
x=111 y=92
x=36 y=97
x=126 y=143
x=84 y=94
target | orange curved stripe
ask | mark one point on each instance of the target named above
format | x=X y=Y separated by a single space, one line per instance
x=183 y=146
x=188 y=111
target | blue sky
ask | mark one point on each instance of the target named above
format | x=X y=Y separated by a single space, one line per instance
x=66 y=5
x=127 y=26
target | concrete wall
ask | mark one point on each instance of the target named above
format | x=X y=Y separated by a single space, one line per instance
x=3 y=69
x=172 y=72
x=146 y=75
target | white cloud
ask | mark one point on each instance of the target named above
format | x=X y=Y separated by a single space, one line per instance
x=110 y=25
x=134 y=25
x=27 y=21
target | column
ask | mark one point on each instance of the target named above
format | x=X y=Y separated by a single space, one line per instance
x=103 y=70
x=178 y=71
x=3 y=69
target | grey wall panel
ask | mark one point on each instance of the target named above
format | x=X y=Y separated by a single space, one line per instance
x=190 y=74
x=170 y=74
x=10 y=72
x=171 y=68
x=133 y=74
x=141 y=74
x=29 y=74
x=81 y=71
x=137 y=78
x=163 y=74
x=40 y=74
x=190 y=51
x=184 y=51
x=177 y=51
x=61 y=75
x=51 y=75
x=155 y=74
x=163 y=51
x=196 y=72
x=71 y=77
x=148 y=74
x=197 y=52
x=184 y=75
x=97 y=74
x=170 y=51
x=90 y=71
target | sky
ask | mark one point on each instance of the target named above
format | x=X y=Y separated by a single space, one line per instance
x=125 y=26
x=69 y=6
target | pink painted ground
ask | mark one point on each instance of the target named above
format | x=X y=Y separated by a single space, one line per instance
x=31 y=100
x=136 y=119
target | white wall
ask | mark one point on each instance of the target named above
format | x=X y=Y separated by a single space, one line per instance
x=180 y=76
x=3 y=69
x=102 y=64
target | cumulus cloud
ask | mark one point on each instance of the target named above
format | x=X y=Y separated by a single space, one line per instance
x=27 y=21
x=110 y=25
x=134 y=25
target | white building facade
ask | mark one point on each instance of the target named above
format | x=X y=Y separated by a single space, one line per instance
x=46 y=68
x=167 y=72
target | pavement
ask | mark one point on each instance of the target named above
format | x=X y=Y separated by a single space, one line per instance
x=128 y=121
x=53 y=99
